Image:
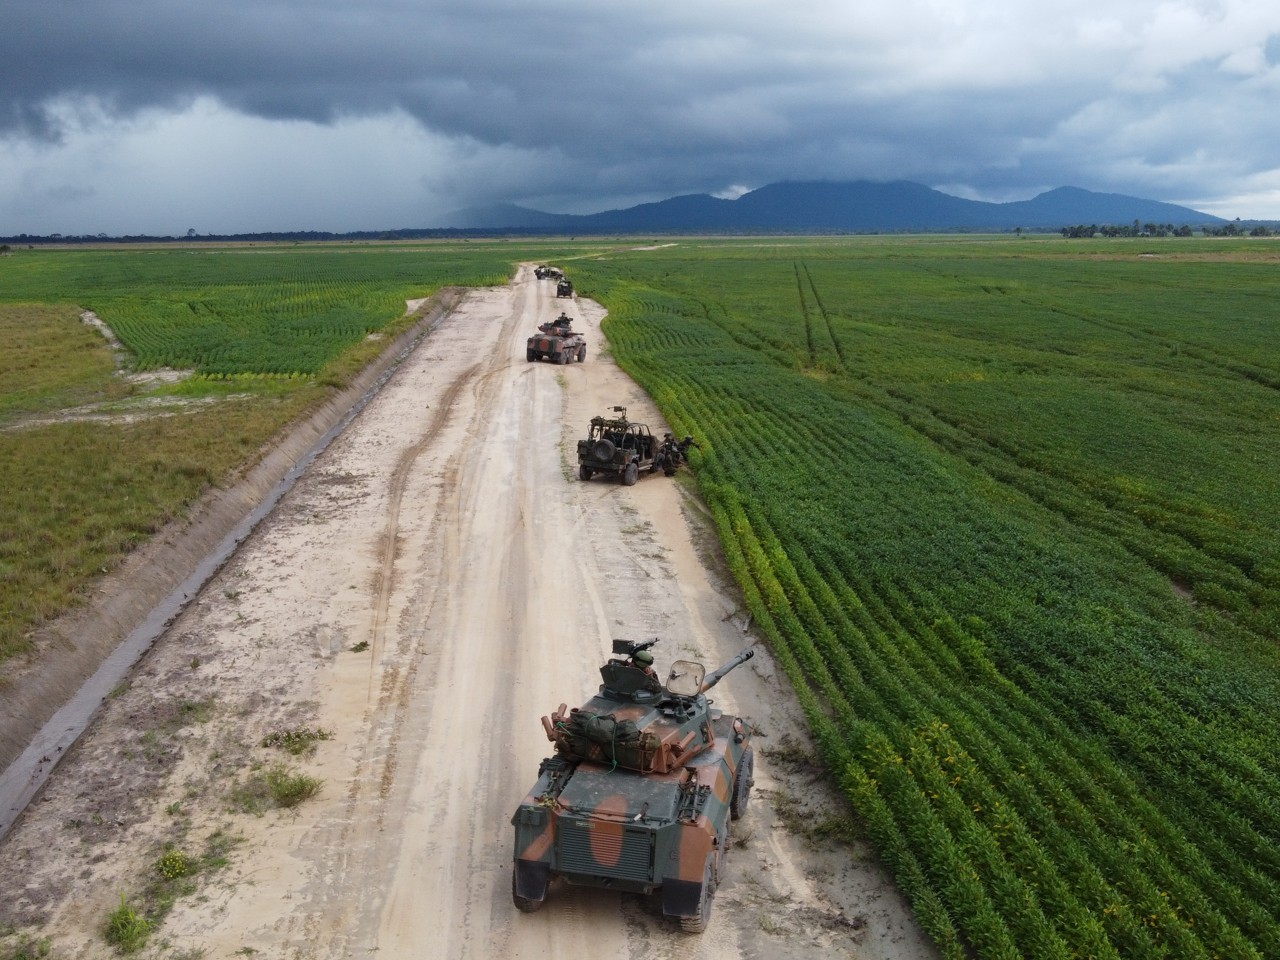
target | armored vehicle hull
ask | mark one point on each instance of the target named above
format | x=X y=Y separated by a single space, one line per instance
x=557 y=349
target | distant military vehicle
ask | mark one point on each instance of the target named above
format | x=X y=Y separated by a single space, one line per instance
x=557 y=341
x=618 y=446
x=564 y=288
x=639 y=794
x=548 y=273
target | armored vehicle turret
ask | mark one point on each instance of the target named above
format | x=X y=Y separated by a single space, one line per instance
x=638 y=796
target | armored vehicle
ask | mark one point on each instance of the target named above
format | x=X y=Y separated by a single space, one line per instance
x=618 y=446
x=564 y=288
x=547 y=273
x=557 y=341
x=639 y=794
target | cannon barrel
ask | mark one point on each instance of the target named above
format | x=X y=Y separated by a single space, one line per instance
x=712 y=679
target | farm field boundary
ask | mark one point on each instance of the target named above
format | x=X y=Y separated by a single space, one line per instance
x=123 y=598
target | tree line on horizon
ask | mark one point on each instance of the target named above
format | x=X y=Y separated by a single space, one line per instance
x=1234 y=229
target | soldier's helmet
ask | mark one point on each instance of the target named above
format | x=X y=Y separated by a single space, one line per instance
x=644 y=658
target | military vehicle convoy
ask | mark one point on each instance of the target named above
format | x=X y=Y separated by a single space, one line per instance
x=557 y=341
x=638 y=797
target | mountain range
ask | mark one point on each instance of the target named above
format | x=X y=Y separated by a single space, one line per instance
x=859 y=206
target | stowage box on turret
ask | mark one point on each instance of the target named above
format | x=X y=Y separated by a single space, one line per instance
x=639 y=794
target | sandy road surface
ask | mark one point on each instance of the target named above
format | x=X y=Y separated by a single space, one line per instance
x=445 y=530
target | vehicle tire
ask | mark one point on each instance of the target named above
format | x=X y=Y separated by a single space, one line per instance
x=630 y=475
x=562 y=357
x=741 y=796
x=582 y=353
x=524 y=904
x=603 y=449
x=699 y=923
x=584 y=472
x=531 y=355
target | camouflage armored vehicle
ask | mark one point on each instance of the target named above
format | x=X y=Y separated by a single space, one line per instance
x=564 y=288
x=639 y=794
x=557 y=341
x=618 y=446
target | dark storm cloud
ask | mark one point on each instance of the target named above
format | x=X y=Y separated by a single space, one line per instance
x=589 y=104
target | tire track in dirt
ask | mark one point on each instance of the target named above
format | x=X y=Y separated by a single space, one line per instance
x=399 y=478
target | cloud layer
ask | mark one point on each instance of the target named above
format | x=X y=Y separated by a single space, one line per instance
x=132 y=116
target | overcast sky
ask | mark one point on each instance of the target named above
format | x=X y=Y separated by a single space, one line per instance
x=160 y=116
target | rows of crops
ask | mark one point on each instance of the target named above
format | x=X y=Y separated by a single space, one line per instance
x=229 y=311
x=270 y=331
x=1008 y=513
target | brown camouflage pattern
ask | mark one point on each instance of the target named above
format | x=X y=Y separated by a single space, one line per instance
x=557 y=341
x=638 y=795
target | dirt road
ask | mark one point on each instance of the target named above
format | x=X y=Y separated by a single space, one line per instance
x=437 y=581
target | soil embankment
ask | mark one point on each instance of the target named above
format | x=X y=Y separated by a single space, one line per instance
x=71 y=649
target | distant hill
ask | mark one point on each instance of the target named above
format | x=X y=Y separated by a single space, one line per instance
x=856 y=207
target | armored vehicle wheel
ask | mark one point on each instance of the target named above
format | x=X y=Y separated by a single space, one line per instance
x=742 y=785
x=524 y=904
x=603 y=449
x=584 y=472
x=531 y=355
x=562 y=357
x=630 y=475
x=582 y=353
x=699 y=923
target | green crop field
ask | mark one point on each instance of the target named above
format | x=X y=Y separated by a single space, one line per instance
x=268 y=331
x=1009 y=513
x=1007 y=510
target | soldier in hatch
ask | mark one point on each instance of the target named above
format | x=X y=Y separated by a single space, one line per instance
x=644 y=660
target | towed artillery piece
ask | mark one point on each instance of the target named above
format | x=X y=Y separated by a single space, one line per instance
x=638 y=797
x=557 y=341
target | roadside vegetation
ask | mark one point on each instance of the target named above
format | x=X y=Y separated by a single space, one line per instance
x=93 y=464
x=1008 y=511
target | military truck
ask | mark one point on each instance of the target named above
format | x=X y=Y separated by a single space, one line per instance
x=616 y=445
x=564 y=288
x=557 y=341
x=639 y=794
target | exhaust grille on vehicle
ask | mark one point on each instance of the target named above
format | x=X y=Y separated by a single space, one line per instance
x=603 y=848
